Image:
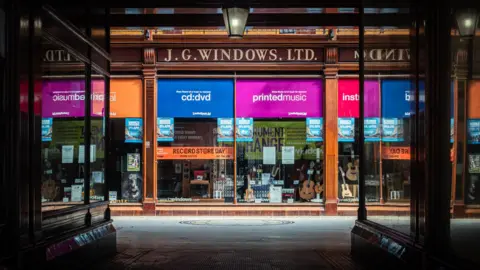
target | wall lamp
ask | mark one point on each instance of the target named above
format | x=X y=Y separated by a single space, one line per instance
x=235 y=20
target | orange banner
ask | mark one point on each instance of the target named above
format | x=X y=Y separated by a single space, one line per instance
x=126 y=98
x=396 y=152
x=195 y=153
x=473 y=98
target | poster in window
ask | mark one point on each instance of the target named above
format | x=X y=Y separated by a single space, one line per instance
x=269 y=155
x=132 y=183
x=452 y=130
x=133 y=130
x=47 y=129
x=473 y=131
x=346 y=129
x=288 y=154
x=372 y=129
x=165 y=129
x=133 y=162
x=473 y=163
x=244 y=129
x=225 y=129
x=392 y=130
x=314 y=129
x=67 y=153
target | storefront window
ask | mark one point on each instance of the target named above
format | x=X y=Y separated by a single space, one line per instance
x=126 y=122
x=97 y=141
x=348 y=121
x=398 y=104
x=473 y=144
x=195 y=140
x=63 y=126
x=279 y=140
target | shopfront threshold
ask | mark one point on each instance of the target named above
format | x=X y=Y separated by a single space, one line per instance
x=255 y=209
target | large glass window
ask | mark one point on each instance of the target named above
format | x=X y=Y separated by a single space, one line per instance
x=126 y=121
x=195 y=140
x=63 y=151
x=279 y=140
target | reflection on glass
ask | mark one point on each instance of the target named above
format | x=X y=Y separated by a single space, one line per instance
x=63 y=111
x=465 y=225
x=391 y=91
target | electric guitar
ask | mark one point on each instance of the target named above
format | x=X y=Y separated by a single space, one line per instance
x=346 y=193
x=352 y=171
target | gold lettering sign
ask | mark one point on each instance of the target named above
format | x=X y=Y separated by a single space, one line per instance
x=240 y=55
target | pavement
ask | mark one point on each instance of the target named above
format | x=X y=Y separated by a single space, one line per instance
x=231 y=243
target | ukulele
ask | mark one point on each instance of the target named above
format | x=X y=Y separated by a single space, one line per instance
x=249 y=197
x=352 y=166
x=346 y=193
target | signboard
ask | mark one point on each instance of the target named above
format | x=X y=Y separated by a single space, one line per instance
x=47 y=129
x=349 y=98
x=398 y=98
x=244 y=129
x=216 y=55
x=126 y=98
x=392 y=130
x=66 y=98
x=275 y=98
x=396 y=152
x=225 y=129
x=473 y=131
x=372 y=129
x=346 y=129
x=195 y=98
x=374 y=55
x=165 y=129
x=195 y=153
x=314 y=129
x=133 y=130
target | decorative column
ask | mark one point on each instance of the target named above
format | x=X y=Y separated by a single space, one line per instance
x=149 y=134
x=331 y=131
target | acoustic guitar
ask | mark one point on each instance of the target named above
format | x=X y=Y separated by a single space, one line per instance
x=352 y=171
x=307 y=192
x=346 y=193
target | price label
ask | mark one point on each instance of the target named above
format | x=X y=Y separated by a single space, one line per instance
x=396 y=152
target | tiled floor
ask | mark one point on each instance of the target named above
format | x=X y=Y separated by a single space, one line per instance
x=231 y=243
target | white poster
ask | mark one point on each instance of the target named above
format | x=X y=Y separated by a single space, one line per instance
x=77 y=193
x=269 y=155
x=67 y=153
x=288 y=154
x=81 y=153
x=275 y=194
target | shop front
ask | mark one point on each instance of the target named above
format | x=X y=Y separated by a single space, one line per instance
x=265 y=128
